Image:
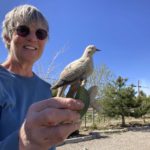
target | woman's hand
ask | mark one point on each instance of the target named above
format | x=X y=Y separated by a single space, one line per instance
x=49 y=122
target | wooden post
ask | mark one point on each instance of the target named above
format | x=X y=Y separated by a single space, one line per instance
x=85 y=120
x=93 y=119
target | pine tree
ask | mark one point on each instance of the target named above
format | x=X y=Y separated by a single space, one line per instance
x=143 y=103
x=119 y=99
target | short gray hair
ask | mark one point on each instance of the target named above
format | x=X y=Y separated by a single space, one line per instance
x=24 y=14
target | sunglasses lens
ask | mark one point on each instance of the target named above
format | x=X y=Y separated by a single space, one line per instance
x=41 y=34
x=23 y=31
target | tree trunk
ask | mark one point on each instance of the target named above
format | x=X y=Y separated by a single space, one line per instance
x=123 y=120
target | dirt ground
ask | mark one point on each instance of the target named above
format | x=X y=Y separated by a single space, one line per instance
x=134 y=139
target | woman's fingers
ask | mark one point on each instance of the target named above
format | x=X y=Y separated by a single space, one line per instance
x=53 y=116
x=55 y=134
x=50 y=121
x=58 y=102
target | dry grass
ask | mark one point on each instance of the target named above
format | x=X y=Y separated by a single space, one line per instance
x=107 y=123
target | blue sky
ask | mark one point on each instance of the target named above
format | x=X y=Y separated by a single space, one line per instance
x=121 y=28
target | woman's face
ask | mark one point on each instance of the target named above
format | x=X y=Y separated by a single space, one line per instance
x=25 y=45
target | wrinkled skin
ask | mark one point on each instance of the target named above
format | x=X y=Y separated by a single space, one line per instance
x=49 y=122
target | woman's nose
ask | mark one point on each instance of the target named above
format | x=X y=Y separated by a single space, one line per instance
x=32 y=36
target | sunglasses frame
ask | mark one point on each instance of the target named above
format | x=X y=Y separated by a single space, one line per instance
x=24 y=31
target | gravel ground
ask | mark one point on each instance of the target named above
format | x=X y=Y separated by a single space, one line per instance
x=130 y=140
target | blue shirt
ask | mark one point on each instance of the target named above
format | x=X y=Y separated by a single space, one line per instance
x=17 y=93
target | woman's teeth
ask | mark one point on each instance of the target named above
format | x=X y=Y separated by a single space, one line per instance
x=30 y=47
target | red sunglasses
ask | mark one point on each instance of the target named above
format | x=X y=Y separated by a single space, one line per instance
x=24 y=31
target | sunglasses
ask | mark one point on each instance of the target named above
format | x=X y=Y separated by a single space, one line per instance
x=24 y=31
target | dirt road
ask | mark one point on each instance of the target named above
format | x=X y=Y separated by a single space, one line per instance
x=137 y=139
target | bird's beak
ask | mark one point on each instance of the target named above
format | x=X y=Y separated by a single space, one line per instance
x=98 y=49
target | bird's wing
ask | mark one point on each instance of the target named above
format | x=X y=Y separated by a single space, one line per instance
x=72 y=72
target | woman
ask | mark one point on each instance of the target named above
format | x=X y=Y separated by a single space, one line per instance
x=29 y=118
